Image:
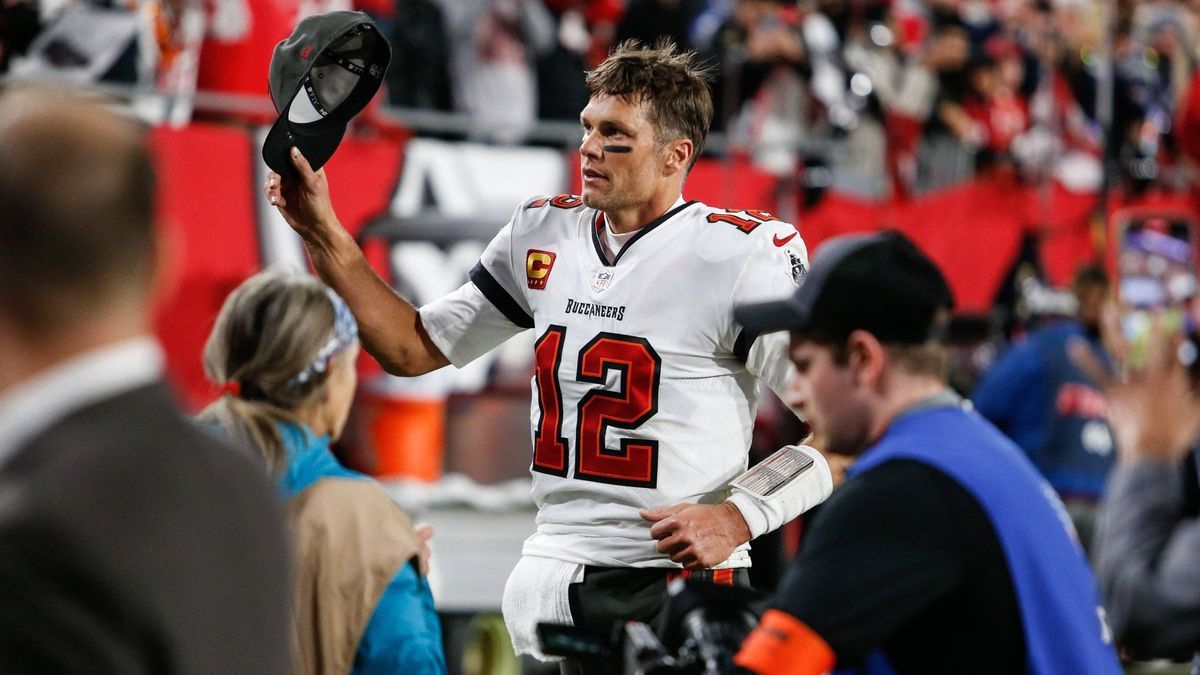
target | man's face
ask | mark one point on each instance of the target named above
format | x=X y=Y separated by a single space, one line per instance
x=613 y=179
x=826 y=393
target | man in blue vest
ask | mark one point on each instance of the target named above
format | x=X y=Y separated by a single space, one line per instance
x=944 y=551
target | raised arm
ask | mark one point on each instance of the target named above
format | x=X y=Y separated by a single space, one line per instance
x=1146 y=546
x=389 y=325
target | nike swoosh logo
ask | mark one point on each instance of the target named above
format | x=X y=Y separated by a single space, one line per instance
x=781 y=242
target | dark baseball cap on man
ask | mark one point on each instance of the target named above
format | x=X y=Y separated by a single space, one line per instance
x=321 y=76
x=880 y=283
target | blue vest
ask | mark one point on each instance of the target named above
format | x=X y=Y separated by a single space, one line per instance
x=1060 y=608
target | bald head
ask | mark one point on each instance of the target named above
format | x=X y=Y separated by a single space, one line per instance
x=76 y=210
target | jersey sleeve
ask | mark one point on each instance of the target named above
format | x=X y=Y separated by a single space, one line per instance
x=465 y=325
x=484 y=312
x=771 y=272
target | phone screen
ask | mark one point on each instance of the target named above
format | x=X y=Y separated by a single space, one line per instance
x=1156 y=267
x=1156 y=263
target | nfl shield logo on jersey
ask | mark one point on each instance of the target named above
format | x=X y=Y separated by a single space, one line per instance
x=602 y=280
x=799 y=271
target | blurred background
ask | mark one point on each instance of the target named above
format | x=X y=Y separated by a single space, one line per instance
x=1016 y=141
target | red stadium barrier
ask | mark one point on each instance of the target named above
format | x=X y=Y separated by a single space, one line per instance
x=205 y=180
x=210 y=196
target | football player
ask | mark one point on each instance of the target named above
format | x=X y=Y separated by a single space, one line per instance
x=645 y=388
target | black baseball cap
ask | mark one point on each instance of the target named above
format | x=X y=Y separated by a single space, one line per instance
x=880 y=283
x=321 y=76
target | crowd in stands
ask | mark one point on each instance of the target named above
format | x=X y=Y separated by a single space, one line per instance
x=913 y=95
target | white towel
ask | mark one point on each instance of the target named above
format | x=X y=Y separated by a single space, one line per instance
x=536 y=592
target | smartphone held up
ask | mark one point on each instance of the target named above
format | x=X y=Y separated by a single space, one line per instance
x=1155 y=263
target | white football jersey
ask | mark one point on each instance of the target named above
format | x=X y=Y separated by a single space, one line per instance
x=645 y=389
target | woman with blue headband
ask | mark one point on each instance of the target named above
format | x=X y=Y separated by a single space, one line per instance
x=283 y=350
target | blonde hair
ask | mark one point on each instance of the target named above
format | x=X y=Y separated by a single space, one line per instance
x=269 y=330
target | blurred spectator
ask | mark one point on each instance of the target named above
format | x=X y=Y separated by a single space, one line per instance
x=584 y=31
x=562 y=92
x=18 y=25
x=648 y=21
x=1054 y=411
x=494 y=44
x=887 y=53
x=760 y=86
x=1140 y=101
x=419 y=76
x=284 y=348
x=753 y=44
x=996 y=111
x=944 y=157
x=130 y=540
x=1148 y=544
x=1185 y=79
x=1187 y=118
x=1063 y=142
x=602 y=18
x=1156 y=80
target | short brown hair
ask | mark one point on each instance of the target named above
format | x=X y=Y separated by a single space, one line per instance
x=675 y=88
x=76 y=208
x=929 y=359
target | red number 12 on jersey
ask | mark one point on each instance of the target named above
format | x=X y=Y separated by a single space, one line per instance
x=634 y=402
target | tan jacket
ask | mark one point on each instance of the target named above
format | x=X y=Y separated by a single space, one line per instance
x=350 y=540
